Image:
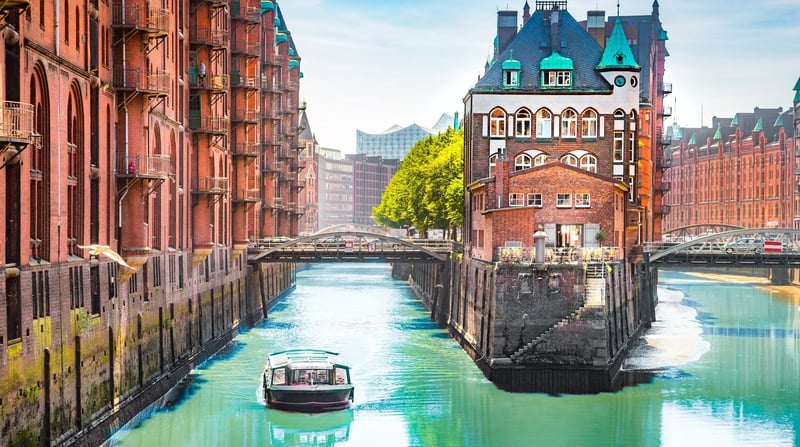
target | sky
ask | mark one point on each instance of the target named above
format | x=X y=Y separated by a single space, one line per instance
x=370 y=64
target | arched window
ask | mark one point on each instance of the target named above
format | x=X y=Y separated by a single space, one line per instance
x=544 y=124
x=581 y=159
x=588 y=162
x=497 y=121
x=570 y=159
x=589 y=121
x=619 y=120
x=524 y=123
x=522 y=161
x=569 y=124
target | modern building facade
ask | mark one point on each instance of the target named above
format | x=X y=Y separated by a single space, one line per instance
x=396 y=141
x=371 y=176
x=144 y=146
x=555 y=133
x=741 y=171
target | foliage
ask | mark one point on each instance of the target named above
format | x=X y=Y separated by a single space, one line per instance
x=427 y=191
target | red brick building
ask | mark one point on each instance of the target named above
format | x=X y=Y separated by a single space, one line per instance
x=557 y=133
x=740 y=171
x=144 y=146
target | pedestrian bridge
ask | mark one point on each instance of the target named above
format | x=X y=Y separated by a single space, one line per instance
x=349 y=246
x=734 y=248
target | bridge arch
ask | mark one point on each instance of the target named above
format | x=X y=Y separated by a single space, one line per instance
x=715 y=240
x=699 y=230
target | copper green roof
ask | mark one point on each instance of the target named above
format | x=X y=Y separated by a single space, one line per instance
x=281 y=37
x=735 y=121
x=511 y=63
x=759 y=125
x=779 y=121
x=293 y=64
x=718 y=134
x=679 y=134
x=276 y=21
x=618 y=54
x=266 y=6
x=797 y=85
x=556 y=62
x=663 y=35
x=797 y=96
x=692 y=141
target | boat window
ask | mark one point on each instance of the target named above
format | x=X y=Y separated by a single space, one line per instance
x=341 y=376
x=279 y=376
x=310 y=376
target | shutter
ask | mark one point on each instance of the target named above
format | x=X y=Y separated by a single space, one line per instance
x=590 y=231
x=485 y=126
x=556 y=127
x=602 y=127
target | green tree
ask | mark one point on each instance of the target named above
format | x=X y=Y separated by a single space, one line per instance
x=427 y=191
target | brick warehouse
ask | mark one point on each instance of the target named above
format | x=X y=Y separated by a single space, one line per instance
x=741 y=171
x=559 y=137
x=143 y=148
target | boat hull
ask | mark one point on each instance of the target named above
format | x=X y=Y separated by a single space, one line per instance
x=309 y=398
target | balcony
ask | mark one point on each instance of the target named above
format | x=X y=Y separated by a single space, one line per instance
x=269 y=87
x=210 y=185
x=271 y=166
x=138 y=80
x=666 y=111
x=143 y=166
x=246 y=116
x=239 y=81
x=215 y=83
x=16 y=123
x=665 y=88
x=663 y=163
x=291 y=86
x=217 y=39
x=247 y=196
x=664 y=140
x=245 y=11
x=208 y=124
x=246 y=48
x=276 y=203
x=154 y=22
x=246 y=150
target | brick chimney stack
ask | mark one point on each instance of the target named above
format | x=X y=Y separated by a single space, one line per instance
x=506 y=30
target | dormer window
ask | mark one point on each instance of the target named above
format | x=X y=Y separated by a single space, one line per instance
x=556 y=71
x=511 y=68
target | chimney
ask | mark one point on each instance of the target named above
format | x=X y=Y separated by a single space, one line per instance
x=554 y=42
x=596 y=26
x=526 y=13
x=506 y=30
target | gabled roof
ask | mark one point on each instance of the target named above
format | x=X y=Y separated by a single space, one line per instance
x=305 y=128
x=533 y=43
x=618 y=54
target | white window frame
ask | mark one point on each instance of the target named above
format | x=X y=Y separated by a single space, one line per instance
x=544 y=124
x=523 y=123
x=516 y=199
x=511 y=78
x=492 y=164
x=589 y=124
x=522 y=161
x=619 y=147
x=569 y=124
x=588 y=163
x=570 y=160
x=497 y=123
x=534 y=199
x=583 y=200
x=631 y=141
x=540 y=159
x=564 y=200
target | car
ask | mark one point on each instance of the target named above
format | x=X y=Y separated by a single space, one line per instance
x=745 y=245
x=330 y=242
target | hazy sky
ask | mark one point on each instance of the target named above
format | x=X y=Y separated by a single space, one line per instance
x=369 y=64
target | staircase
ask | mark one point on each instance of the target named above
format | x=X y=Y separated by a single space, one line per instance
x=595 y=285
x=563 y=322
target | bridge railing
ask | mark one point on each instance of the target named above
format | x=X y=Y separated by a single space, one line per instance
x=558 y=255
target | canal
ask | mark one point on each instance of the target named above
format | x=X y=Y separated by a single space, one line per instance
x=726 y=356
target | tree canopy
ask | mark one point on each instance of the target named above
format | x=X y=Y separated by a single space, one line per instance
x=427 y=191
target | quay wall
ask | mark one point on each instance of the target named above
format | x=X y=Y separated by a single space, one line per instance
x=540 y=328
x=104 y=347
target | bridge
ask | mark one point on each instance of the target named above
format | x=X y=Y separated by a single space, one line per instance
x=349 y=245
x=734 y=248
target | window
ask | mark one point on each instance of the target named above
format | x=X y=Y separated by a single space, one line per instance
x=497 y=121
x=544 y=124
x=492 y=164
x=524 y=123
x=564 y=200
x=510 y=78
x=589 y=163
x=534 y=199
x=569 y=124
x=631 y=141
x=570 y=160
x=540 y=159
x=618 y=147
x=522 y=161
x=556 y=78
x=582 y=200
x=619 y=120
x=516 y=199
x=589 y=121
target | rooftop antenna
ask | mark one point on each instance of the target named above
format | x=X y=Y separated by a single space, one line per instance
x=617 y=8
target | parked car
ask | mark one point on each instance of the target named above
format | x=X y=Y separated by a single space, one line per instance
x=745 y=245
x=330 y=242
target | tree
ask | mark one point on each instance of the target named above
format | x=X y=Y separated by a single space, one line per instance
x=427 y=191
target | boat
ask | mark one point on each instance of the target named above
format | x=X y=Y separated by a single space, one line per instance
x=306 y=380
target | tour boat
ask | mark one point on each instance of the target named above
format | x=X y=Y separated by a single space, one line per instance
x=307 y=380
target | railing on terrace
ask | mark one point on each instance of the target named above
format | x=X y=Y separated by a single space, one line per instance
x=138 y=79
x=208 y=124
x=16 y=121
x=214 y=82
x=154 y=20
x=207 y=36
x=558 y=255
x=272 y=166
x=246 y=149
x=246 y=115
x=210 y=185
x=248 y=195
x=245 y=11
x=140 y=165
x=245 y=47
x=237 y=80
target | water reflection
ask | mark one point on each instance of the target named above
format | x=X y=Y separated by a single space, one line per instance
x=293 y=429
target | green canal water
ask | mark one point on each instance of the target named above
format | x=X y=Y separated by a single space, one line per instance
x=727 y=357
